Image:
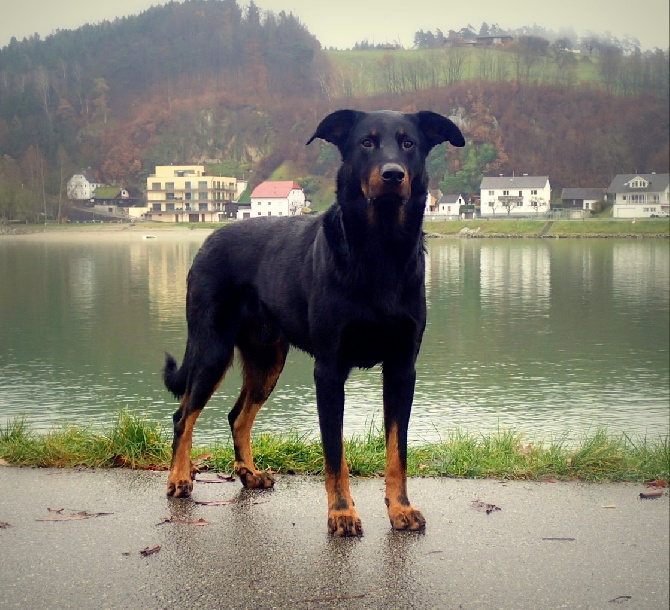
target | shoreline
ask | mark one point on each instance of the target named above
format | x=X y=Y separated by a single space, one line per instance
x=461 y=229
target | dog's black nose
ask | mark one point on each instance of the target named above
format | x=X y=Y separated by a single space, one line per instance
x=392 y=173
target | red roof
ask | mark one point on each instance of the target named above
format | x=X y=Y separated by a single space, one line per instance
x=275 y=188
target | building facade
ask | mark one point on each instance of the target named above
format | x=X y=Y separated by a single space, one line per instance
x=82 y=185
x=639 y=196
x=186 y=193
x=515 y=196
x=277 y=198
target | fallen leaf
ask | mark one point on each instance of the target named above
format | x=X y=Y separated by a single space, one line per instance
x=421 y=467
x=609 y=506
x=4 y=462
x=525 y=449
x=186 y=521
x=4 y=526
x=621 y=599
x=334 y=598
x=560 y=539
x=214 y=502
x=549 y=480
x=483 y=507
x=55 y=510
x=650 y=495
x=657 y=483
x=150 y=550
x=72 y=516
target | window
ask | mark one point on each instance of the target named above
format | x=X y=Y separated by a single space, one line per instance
x=533 y=192
x=638 y=198
x=187 y=184
x=491 y=193
x=202 y=206
x=520 y=193
x=638 y=183
x=155 y=186
x=202 y=196
x=169 y=186
x=169 y=196
x=505 y=193
x=169 y=207
x=202 y=184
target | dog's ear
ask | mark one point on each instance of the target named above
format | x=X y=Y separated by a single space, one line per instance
x=336 y=126
x=438 y=129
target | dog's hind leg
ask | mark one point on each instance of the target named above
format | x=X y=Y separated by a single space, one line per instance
x=261 y=367
x=207 y=375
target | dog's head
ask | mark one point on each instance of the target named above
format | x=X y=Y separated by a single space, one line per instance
x=383 y=153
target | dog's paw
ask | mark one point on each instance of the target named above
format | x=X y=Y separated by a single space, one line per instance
x=180 y=488
x=407 y=518
x=344 y=523
x=256 y=479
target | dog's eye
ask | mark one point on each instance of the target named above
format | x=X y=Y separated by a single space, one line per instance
x=407 y=144
x=367 y=143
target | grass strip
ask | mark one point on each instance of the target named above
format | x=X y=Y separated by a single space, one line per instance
x=134 y=441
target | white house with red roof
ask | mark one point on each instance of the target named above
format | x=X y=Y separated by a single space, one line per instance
x=277 y=198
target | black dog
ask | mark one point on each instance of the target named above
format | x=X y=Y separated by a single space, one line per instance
x=346 y=286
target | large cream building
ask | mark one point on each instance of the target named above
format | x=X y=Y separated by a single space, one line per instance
x=186 y=193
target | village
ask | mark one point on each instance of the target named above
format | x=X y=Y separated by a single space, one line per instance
x=188 y=194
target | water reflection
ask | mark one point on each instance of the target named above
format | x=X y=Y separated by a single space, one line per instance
x=546 y=336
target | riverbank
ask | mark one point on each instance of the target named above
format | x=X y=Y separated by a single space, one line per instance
x=137 y=442
x=478 y=228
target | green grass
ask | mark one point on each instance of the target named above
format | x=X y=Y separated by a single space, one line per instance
x=134 y=441
x=561 y=228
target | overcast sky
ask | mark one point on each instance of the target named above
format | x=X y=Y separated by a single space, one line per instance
x=342 y=23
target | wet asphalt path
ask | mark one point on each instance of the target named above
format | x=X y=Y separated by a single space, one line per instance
x=551 y=545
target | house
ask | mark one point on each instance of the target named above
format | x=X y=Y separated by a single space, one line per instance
x=116 y=201
x=515 y=196
x=494 y=41
x=639 y=195
x=186 y=193
x=448 y=206
x=82 y=185
x=432 y=197
x=583 y=198
x=277 y=198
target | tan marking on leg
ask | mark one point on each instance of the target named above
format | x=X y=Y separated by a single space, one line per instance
x=402 y=514
x=253 y=385
x=343 y=519
x=181 y=472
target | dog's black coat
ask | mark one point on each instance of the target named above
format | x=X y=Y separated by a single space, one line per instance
x=346 y=287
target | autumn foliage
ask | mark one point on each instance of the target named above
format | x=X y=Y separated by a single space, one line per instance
x=206 y=81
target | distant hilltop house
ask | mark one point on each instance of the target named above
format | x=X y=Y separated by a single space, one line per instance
x=82 y=185
x=639 y=195
x=277 y=198
x=186 y=193
x=515 y=196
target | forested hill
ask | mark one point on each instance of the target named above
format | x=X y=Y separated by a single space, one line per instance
x=207 y=82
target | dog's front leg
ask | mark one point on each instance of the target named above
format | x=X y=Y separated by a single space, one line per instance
x=342 y=517
x=398 y=396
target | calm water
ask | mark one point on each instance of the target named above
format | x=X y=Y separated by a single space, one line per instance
x=545 y=336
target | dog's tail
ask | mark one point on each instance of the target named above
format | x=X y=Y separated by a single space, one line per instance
x=174 y=377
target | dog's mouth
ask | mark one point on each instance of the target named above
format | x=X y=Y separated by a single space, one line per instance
x=388 y=183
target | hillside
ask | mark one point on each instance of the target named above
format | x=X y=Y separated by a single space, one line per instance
x=207 y=82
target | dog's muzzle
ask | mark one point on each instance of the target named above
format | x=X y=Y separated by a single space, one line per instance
x=390 y=181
